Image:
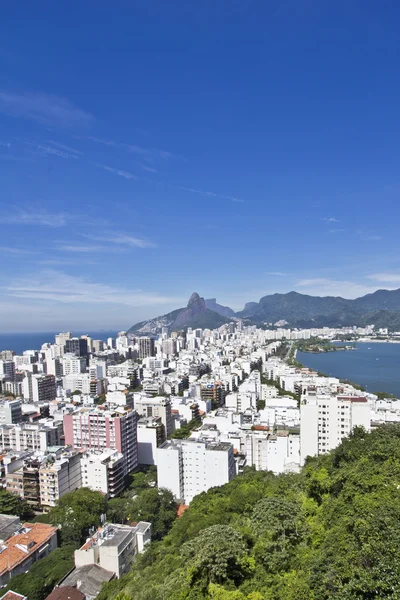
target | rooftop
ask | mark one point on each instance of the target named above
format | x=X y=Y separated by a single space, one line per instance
x=10 y=595
x=65 y=592
x=9 y=524
x=20 y=546
x=90 y=578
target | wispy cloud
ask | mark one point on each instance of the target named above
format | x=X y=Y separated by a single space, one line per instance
x=277 y=273
x=49 y=151
x=121 y=238
x=373 y=238
x=147 y=168
x=52 y=285
x=147 y=153
x=25 y=217
x=333 y=287
x=80 y=248
x=385 y=277
x=209 y=194
x=64 y=147
x=331 y=220
x=5 y=144
x=34 y=215
x=16 y=251
x=368 y=236
x=116 y=171
x=46 y=109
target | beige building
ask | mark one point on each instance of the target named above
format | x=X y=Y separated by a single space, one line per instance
x=58 y=477
x=114 y=547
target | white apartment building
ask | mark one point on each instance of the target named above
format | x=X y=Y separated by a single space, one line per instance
x=150 y=435
x=326 y=420
x=189 y=467
x=158 y=407
x=120 y=398
x=82 y=382
x=268 y=391
x=268 y=452
x=103 y=471
x=27 y=436
x=73 y=365
x=58 y=477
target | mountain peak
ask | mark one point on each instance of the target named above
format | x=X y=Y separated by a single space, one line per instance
x=194 y=298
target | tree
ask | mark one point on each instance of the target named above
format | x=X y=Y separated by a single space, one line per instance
x=76 y=512
x=13 y=505
x=216 y=555
x=156 y=506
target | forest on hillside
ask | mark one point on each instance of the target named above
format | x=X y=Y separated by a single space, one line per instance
x=329 y=532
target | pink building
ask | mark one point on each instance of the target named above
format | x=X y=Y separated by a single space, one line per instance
x=100 y=429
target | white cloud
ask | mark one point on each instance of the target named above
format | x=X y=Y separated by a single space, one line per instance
x=119 y=172
x=33 y=215
x=331 y=220
x=119 y=237
x=146 y=153
x=16 y=251
x=64 y=147
x=45 y=109
x=385 y=277
x=332 y=287
x=80 y=248
x=49 y=151
x=129 y=240
x=277 y=273
x=147 y=168
x=41 y=217
x=56 y=286
x=210 y=194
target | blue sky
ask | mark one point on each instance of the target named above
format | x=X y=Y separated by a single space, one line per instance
x=150 y=149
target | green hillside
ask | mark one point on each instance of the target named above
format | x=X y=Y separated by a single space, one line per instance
x=330 y=532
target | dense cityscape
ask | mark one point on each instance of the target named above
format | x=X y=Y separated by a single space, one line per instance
x=197 y=408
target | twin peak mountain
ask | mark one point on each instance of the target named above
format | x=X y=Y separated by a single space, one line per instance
x=199 y=313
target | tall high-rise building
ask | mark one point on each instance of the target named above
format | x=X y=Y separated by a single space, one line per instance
x=10 y=412
x=77 y=346
x=146 y=347
x=39 y=388
x=7 y=369
x=326 y=420
x=100 y=429
x=189 y=467
x=61 y=338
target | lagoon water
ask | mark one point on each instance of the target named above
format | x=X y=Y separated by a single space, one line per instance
x=376 y=366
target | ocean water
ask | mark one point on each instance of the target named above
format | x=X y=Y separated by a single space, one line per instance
x=376 y=366
x=33 y=341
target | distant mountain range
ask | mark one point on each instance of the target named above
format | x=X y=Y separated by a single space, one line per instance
x=382 y=308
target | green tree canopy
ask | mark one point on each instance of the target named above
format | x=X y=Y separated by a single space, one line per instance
x=76 y=512
x=13 y=505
